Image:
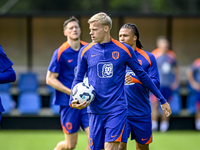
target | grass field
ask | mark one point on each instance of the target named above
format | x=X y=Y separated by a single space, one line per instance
x=47 y=139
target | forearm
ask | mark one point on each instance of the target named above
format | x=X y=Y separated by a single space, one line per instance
x=136 y=80
x=177 y=76
x=77 y=79
x=191 y=79
x=156 y=82
x=146 y=81
x=56 y=84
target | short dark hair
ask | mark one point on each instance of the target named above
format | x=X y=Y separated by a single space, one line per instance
x=135 y=31
x=70 y=20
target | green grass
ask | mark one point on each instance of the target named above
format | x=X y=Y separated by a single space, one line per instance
x=35 y=139
x=173 y=140
x=47 y=140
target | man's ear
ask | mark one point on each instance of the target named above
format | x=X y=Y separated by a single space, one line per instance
x=134 y=37
x=106 y=28
x=64 y=32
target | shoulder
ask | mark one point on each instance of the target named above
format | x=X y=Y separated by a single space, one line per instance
x=127 y=48
x=2 y=53
x=120 y=44
x=61 y=49
x=152 y=57
x=171 y=54
x=85 y=48
x=83 y=43
x=5 y=62
x=147 y=55
x=157 y=53
x=146 y=52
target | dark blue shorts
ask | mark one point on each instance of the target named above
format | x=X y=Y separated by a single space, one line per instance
x=140 y=129
x=107 y=128
x=72 y=119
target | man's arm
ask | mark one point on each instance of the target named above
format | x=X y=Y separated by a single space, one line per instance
x=195 y=85
x=146 y=81
x=81 y=70
x=144 y=77
x=152 y=72
x=51 y=79
x=154 y=76
x=176 y=82
x=7 y=76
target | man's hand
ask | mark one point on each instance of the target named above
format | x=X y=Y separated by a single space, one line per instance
x=128 y=79
x=75 y=104
x=167 y=109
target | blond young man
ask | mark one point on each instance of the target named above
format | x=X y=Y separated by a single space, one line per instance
x=105 y=61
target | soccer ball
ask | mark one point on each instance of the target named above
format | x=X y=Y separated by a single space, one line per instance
x=83 y=92
x=85 y=80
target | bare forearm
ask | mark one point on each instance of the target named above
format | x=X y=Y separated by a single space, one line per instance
x=178 y=75
x=56 y=84
x=190 y=77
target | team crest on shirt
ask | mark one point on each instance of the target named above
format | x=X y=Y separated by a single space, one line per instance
x=105 y=69
x=140 y=61
x=115 y=55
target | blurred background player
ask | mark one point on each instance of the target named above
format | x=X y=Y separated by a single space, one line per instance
x=169 y=79
x=105 y=61
x=7 y=74
x=60 y=75
x=193 y=75
x=139 y=108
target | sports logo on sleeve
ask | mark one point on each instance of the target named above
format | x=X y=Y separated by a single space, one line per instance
x=105 y=69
